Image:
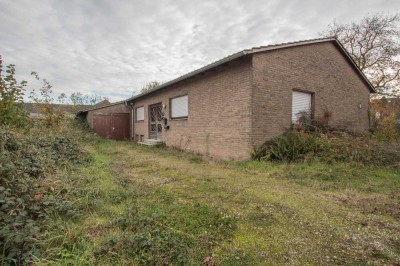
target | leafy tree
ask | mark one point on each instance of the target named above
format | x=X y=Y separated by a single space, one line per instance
x=11 y=98
x=151 y=85
x=374 y=45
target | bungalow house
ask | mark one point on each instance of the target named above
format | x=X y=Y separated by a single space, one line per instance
x=228 y=107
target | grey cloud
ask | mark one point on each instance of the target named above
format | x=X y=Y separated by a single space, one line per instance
x=111 y=48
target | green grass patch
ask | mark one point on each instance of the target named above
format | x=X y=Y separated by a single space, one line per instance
x=338 y=176
x=158 y=206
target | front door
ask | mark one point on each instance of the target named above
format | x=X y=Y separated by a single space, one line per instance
x=155 y=121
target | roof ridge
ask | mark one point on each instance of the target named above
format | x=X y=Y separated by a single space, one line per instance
x=227 y=59
x=293 y=42
x=246 y=52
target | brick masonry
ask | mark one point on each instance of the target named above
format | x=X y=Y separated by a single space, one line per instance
x=219 y=121
x=318 y=68
x=241 y=104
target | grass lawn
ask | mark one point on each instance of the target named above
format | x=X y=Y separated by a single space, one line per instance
x=156 y=206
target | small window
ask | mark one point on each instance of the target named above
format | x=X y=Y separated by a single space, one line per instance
x=301 y=106
x=140 y=114
x=179 y=107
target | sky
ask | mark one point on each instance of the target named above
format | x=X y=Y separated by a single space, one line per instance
x=113 y=48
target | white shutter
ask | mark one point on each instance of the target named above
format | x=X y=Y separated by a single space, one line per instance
x=140 y=114
x=301 y=102
x=179 y=107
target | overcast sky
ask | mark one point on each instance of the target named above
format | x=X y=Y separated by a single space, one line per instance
x=114 y=47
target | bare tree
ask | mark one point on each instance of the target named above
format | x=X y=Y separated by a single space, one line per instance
x=374 y=45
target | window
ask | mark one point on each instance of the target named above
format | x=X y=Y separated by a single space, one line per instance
x=179 y=107
x=140 y=114
x=301 y=106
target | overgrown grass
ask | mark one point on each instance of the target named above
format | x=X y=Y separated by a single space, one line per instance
x=152 y=206
x=32 y=190
x=294 y=146
x=333 y=177
x=132 y=222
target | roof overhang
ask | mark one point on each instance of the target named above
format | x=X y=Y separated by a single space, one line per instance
x=258 y=50
x=99 y=107
x=190 y=74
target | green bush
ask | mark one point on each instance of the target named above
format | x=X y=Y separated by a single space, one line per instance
x=12 y=111
x=290 y=147
x=26 y=199
x=299 y=146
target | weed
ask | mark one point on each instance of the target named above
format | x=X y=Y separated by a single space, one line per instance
x=301 y=146
x=25 y=196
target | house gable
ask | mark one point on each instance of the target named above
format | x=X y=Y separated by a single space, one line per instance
x=255 y=50
x=320 y=69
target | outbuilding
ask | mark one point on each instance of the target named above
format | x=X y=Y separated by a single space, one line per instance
x=111 y=120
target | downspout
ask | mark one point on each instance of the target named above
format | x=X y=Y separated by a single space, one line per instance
x=131 y=126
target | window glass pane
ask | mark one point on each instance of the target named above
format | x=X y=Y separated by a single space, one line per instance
x=179 y=107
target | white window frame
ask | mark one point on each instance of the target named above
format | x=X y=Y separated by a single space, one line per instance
x=141 y=118
x=183 y=112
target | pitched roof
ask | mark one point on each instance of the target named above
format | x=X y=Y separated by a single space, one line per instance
x=102 y=103
x=258 y=50
x=98 y=106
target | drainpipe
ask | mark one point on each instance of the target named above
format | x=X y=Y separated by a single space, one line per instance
x=131 y=126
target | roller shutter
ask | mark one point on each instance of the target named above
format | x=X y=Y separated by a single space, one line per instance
x=179 y=107
x=301 y=103
x=140 y=114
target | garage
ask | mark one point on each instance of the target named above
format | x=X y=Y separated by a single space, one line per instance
x=114 y=126
x=109 y=121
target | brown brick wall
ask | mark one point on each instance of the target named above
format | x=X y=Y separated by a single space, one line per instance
x=240 y=105
x=118 y=108
x=318 y=68
x=219 y=112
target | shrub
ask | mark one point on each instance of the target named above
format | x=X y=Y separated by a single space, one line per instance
x=290 y=147
x=25 y=197
x=51 y=116
x=299 y=146
x=11 y=98
x=387 y=129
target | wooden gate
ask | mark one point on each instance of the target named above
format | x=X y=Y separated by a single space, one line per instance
x=155 y=121
x=114 y=126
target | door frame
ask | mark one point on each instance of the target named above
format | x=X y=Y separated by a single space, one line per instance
x=159 y=122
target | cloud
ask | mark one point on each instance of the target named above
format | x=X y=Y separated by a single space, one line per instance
x=112 y=48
